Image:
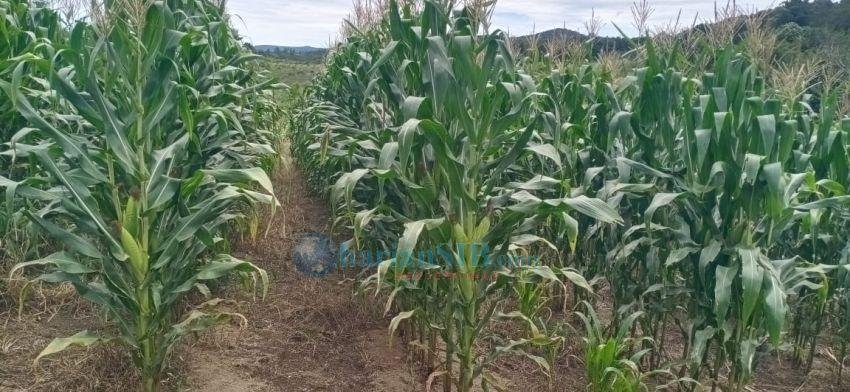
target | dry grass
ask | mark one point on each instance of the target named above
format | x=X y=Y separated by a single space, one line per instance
x=54 y=311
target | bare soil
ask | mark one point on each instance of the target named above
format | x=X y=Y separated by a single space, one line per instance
x=50 y=312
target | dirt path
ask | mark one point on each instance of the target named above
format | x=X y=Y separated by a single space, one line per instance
x=309 y=334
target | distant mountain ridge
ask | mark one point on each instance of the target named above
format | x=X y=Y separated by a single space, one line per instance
x=542 y=39
x=298 y=53
x=289 y=49
x=555 y=34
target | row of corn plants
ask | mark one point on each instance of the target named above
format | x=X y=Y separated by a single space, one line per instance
x=133 y=142
x=712 y=205
x=437 y=169
x=23 y=29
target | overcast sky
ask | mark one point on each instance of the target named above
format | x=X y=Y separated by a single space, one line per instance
x=316 y=22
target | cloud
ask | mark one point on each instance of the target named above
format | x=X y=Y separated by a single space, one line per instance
x=316 y=22
x=289 y=22
x=541 y=15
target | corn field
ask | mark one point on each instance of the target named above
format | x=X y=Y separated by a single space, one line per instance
x=680 y=210
x=132 y=140
x=681 y=182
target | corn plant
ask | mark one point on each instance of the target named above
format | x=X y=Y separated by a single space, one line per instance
x=24 y=29
x=821 y=311
x=611 y=359
x=160 y=157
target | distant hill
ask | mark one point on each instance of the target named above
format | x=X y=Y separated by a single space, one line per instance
x=288 y=49
x=545 y=37
x=291 y=52
x=555 y=34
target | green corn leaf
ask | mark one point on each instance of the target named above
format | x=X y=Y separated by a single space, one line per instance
x=73 y=241
x=594 y=208
x=658 y=201
x=724 y=276
x=254 y=175
x=548 y=151
x=751 y=281
x=775 y=308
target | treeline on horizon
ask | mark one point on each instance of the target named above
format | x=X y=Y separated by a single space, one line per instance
x=288 y=53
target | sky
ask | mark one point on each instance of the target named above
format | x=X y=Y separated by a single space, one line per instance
x=316 y=22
